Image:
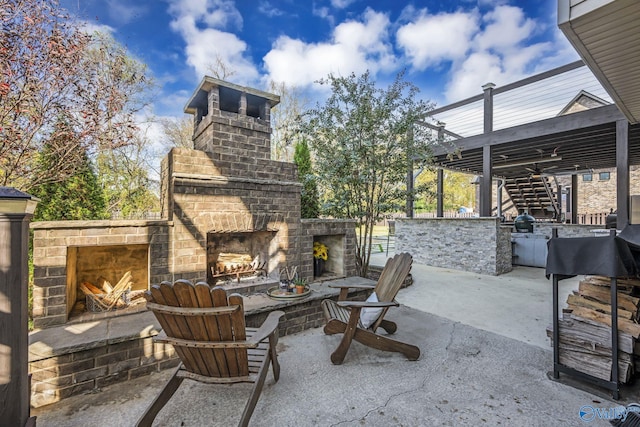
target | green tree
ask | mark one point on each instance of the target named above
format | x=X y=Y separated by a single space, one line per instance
x=310 y=206
x=50 y=68
x=458 y=190
x=124 y=178
x=77 y=197
x=285 y=120
x=364 y=140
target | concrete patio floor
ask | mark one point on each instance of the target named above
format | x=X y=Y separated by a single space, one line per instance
x=485 y=359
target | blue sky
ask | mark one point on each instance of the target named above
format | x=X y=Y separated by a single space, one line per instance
x=449 y=48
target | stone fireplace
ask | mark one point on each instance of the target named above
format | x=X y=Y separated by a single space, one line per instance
x=225 y=206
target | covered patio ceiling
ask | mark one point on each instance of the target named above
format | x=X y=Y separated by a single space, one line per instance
x=563 y=145
x=606 y=35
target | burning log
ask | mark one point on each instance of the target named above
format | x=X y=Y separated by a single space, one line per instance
x=222 y=271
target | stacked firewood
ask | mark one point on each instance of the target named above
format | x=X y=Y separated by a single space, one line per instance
x=237 y=267
x=106 y=297
x=585 y=328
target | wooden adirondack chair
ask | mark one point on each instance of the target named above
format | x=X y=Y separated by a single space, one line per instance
x=208 y=331
x=343 y=317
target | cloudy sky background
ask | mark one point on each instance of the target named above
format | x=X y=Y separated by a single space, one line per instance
x=449 y=48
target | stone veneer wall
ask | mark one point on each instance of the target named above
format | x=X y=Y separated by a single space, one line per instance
x=566 y=230
x=51 y=240
x=479 y=245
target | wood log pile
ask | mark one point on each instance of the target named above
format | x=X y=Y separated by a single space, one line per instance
x=106 y=297
x=236 y=267
x=585 y=328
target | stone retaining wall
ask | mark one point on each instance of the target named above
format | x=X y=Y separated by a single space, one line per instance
x=480 y=245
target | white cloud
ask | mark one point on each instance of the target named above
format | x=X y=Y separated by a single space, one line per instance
x=90 y=28
x=213 y=13
x=479 y=68
x=172 y=103
x=268 y=9
x=201 y=23
x=341 y=4
x=355 y=47
x=480 y=48
x=124 y=11
x=324 y=13
x=506 y=27
x=432 y=39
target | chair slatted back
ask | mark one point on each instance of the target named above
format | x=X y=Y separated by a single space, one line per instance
x=228 y=326
x=393 y=275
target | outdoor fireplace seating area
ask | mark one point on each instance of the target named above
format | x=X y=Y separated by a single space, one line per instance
x=230 y=217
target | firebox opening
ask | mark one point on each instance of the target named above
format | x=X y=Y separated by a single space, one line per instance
x=334 y=266
x=97 y=264
x=238 y=255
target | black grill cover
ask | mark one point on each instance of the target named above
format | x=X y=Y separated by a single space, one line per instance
x=611 y=256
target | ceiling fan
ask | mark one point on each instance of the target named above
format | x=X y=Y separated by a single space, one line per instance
x=537 y=171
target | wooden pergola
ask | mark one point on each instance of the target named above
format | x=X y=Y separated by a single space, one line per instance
x=606 y=36
x=597 y=138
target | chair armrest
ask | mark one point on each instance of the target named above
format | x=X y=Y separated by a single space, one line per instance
x=368 y=304
x=268 y=326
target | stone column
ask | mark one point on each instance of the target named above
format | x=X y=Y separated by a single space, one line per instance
x=213 y=100
x=16 y=210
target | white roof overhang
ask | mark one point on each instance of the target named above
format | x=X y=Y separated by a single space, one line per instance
x=606 y=34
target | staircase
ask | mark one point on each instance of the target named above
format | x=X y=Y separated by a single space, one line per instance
x=534 y=195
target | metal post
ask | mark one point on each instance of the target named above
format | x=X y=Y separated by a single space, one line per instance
x=559 y=193
x=410 y=186
x=440 y=195
x=485 y=184
x=440 y=176
x=622 y=173
x=556 y=325
x=574 y=199
x=488 y=107
x=16 y=210
x=499 y=185
x=614 y=331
